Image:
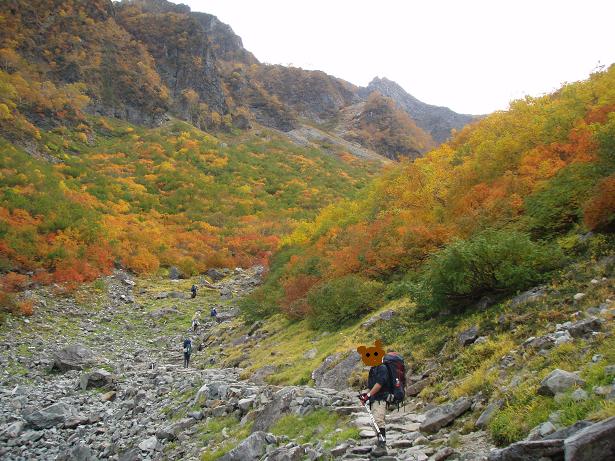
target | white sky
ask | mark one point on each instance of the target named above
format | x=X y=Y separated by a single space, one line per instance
x=473 y=56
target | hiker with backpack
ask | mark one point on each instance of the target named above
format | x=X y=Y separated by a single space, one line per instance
x=214 y=313
x=386 y=383
x=196 y=321
x=193 y=290
x=187 y=351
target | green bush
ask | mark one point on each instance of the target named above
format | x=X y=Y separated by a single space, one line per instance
x=493 y=262
x=339 y=302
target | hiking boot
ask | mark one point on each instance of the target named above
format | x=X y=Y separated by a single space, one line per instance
x=379 y=450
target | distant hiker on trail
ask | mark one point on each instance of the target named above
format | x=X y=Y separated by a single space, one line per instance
x=193 y=290
x=196 y=321
x=187 y=351
x=214 y=313
x=386 y=383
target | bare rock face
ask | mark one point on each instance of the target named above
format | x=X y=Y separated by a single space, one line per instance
x=559 y=381
x=443 y=415
x=251 y=449
x=74 y=357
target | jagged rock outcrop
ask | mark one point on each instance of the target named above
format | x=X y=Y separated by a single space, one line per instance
x=436 y=120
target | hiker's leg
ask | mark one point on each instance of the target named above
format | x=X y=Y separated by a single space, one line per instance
x=379 y=409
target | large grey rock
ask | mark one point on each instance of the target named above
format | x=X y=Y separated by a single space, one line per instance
x=51 y=416
x=443 y=415
x=279 y=405
x=487 y=414
x=596 y=442
x=77 y=453
x=568 y=431
x=97 y=378
x=559 y=381
x=259 y=375
x=416 y=388
x=215 y=274
x=251 y=448
x=75 y=357
x=584 y=327
x=333 y=374
x=530 y=451
x=468 y=336
x=149 y=444
x=172 y=431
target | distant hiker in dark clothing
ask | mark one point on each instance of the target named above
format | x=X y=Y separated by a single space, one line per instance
x=187 y=351
x=193 y=290
x=214 y=313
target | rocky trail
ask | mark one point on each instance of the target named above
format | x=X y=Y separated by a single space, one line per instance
x=98 y=375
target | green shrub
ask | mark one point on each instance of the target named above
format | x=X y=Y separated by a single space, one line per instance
x=493 y=262
x=260 y=304
x=339 y=302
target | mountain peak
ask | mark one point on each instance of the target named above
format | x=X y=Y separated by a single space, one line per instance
x=436 y=120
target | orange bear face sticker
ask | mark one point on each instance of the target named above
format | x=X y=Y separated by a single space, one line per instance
x=372 y=356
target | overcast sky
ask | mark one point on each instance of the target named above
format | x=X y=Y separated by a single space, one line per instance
x=472 y=56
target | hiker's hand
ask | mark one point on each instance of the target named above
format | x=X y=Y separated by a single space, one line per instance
x=363 y=398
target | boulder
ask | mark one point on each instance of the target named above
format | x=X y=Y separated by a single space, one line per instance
x=215 y=274
x=468 y=336
x=584 y=327
x=51 y=416
x=487 y=414
x=149 y=444
x=134 y=454
x=415 y=388
x=75 y=357
x=279 y=405
x=97 y=378
x=333 y=374
x=251 y=448
x=258 y=377
x=568 y=431
x=559 y=381
x=443 y=415
x=530 y=451
x=171 y=431
x=77 y=453
x=592 y=443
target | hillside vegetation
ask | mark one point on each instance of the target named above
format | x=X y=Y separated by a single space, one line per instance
x=488 y=214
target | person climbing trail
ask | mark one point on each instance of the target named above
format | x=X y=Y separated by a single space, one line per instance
x=196 y=320
x=187 y=351
x=386 y=383
x=193 y=290
x=214 y=314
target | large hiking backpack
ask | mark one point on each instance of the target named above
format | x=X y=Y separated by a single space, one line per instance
x=187 y=346
x=396 y=369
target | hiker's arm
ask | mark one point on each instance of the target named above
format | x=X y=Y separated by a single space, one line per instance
x=375 y=389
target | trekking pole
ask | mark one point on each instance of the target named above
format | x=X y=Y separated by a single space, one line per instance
x=371 y=416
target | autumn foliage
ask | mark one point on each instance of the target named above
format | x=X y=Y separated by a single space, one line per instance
x=539 y=170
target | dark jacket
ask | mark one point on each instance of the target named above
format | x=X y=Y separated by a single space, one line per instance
x=379 y=375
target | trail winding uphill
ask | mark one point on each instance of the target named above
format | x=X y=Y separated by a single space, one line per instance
x=99 y=375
